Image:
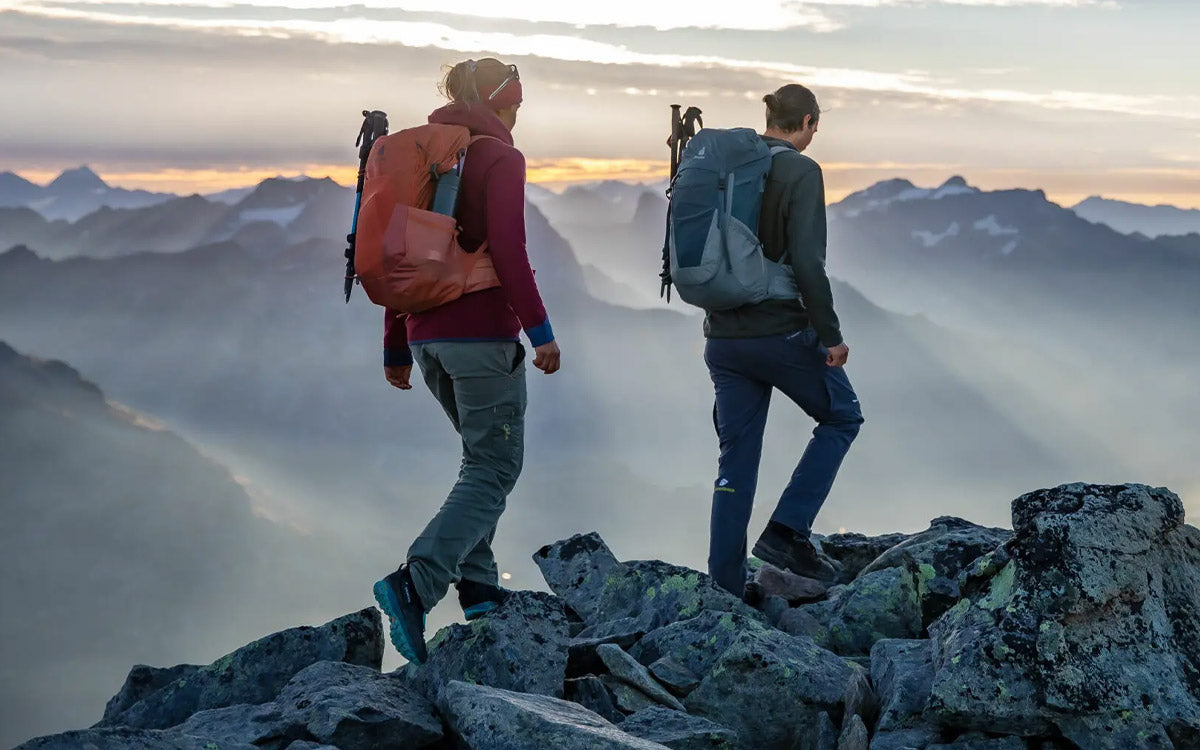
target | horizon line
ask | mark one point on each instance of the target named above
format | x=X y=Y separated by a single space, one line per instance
x=842 y=179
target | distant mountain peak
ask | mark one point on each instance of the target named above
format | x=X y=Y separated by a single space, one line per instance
x=78 y=179
x=957 y=181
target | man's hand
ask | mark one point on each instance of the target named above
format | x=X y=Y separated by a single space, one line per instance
x=398 y=376
x=838 y=355
x=546 y=357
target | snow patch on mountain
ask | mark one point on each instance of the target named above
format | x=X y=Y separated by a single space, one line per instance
x=993 y=227
x=931 y=239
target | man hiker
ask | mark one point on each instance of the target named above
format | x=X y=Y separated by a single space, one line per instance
x=793 y=345
x=470 y=356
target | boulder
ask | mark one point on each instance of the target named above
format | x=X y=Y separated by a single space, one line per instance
x=521 y=645
x=488 y=718
x=1091 y=629
x=827 y=733
x=587 y=576
x=356 y=708
x=917 y=738
x=810 y=621
x=854 y=734
x=941 y=553
x=256 y=673
x=856 y=551
x=881 y=604
x=679 y=731
x=126 y=738
x=627 y=669
x=581 y=653
x=577 y=570
x=591 y=693
x=794 y=589
x=978 y=742
x=767 y=673
x=628 y=698
x=695 y=644
x=679 y=679
x=140 y=683
x=902 y=674
x=263 y=726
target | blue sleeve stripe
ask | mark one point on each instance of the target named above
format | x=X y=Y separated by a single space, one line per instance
x=542 y=334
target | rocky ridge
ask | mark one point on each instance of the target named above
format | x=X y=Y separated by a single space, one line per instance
x=1078 y=629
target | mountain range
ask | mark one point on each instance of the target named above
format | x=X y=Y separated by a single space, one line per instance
x=1130 y=218
x=985 y=367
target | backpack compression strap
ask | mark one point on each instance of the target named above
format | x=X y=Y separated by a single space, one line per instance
x=683 y=128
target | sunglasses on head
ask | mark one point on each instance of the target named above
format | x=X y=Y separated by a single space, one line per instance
x=513 y=75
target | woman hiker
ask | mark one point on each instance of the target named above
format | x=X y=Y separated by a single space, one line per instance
x=470 y=356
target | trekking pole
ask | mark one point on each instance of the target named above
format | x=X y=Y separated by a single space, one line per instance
x=375 y=124
x=683 y=127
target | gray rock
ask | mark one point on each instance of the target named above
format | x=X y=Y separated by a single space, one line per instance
x=827 y=733
x=577 y=570
x=521 y=645
x=917 y=738
x=306 y=745
x=982 y=743
x=1092 y=629
x=627 y=669
x=774 y=607
x=356 y=708
x=881 y=604
x=628 y=698
x=140 y=683
x=125 y=738
x=657 y=593
x=263 y=726
x=948 y=546
x=591 y=693
x=855 y=551
x=486 y=718
x=581 y=654
x=787 y=585
x=255 y=673
x=902 y=674
x=854 y=734
x=809 y=621
x=790 y=679
x=679 y=731
x=941 y=553
x=679 y=679
x=695 y=644
x=613 y=631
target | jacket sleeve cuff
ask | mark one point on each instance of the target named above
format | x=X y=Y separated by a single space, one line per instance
x=542 y=334
x=831 y=340
x=397 y=357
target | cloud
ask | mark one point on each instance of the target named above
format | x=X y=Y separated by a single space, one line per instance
x=363 y=29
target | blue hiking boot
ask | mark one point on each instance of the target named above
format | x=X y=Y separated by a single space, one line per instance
x=477 y=599
x=397 y=597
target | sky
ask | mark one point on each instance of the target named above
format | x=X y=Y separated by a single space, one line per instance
x=1077 y=97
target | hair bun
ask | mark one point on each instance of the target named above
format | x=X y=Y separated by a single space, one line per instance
x=772 y=102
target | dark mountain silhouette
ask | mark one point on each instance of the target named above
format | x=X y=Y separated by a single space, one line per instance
x=120 y=543
x=72 y=195
x=304 y=209
x=1128 y=218
x=16 y=190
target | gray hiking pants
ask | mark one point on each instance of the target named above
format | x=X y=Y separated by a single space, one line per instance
x=481 y=385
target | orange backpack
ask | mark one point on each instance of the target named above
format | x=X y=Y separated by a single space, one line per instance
x=407 y=257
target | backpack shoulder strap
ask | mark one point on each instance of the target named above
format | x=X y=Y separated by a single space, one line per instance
x=780 y=149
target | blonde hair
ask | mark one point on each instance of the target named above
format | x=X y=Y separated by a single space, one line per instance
x=461 y=82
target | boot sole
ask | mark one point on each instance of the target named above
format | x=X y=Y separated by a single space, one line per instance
x=386 y=599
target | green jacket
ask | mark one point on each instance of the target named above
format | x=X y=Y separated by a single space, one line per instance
x=792 y=223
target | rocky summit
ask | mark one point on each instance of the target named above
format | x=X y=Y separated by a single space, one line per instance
x=1080 y=628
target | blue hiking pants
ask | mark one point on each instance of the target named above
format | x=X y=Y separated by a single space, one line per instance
x=744 y=373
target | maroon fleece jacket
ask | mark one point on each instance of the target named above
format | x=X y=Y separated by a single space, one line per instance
x=491 y=207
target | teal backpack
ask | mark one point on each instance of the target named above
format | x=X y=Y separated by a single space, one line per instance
x=713 y=255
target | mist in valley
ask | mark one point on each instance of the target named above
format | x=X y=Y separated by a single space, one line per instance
x=242 y=466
